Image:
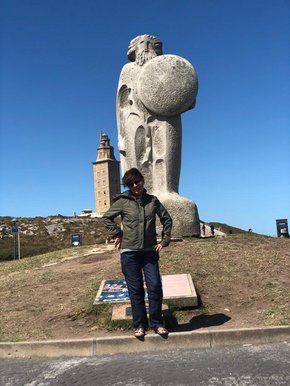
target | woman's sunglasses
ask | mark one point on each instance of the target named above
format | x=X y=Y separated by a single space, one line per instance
x=131 y=184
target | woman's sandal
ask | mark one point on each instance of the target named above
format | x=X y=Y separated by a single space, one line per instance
x=139 y=332
x=161 y=331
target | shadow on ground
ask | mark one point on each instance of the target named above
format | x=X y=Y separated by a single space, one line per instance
x=200 y=321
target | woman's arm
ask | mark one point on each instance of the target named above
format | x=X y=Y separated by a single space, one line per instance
x=108 y=219
x=166 y=221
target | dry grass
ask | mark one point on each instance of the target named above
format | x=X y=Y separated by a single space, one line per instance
x=245 y=274
x=243 y=280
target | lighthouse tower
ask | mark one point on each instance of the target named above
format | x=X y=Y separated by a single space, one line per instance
x=106 y=176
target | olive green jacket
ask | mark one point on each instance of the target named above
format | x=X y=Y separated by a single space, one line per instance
x=139 y=221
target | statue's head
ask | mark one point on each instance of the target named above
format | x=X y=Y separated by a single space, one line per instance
x=144 y=48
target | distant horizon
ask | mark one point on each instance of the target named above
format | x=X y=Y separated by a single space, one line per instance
x=80 y=217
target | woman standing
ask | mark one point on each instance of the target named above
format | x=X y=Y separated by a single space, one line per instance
x=139 y=249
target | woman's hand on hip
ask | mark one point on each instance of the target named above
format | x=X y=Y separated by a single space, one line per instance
x=118 y=241
x=158 y=247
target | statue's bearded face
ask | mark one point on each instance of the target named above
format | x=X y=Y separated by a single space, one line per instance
x=147 y=49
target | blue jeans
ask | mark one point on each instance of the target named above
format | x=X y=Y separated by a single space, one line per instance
x=133 y=264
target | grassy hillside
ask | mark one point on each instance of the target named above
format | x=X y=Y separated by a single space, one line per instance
x=242 y=281
x=45 y=234
x=227 y=229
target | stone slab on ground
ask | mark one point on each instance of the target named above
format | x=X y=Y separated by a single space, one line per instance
x=124 y=311
x=178 y=289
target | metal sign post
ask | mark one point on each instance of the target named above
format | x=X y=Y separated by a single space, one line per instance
x=16 y=240
x=19 y=245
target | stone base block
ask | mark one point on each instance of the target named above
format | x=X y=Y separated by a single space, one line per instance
x=184 y=214
x=124 y=311
x=179 y=290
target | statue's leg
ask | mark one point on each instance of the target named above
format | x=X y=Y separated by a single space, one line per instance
x=128 y=157
x=166 y=154
x=166 y=158
x=143 y=151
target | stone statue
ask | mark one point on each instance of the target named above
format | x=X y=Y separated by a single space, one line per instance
x=153 y=91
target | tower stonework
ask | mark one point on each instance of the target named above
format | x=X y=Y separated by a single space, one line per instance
x=106 y=176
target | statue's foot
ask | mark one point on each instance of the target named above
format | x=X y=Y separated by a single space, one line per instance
x=184 y=214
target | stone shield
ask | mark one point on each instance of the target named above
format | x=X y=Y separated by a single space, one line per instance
x=167 y=85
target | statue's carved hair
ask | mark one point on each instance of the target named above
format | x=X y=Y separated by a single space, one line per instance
x=133 y=45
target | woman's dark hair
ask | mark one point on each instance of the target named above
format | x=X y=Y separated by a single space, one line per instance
x=132 y=176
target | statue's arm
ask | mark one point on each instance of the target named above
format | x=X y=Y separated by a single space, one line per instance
x=121 y=97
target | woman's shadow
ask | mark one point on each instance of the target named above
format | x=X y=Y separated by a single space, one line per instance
x=199 y=321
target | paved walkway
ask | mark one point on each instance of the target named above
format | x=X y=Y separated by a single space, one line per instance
x=261 y=365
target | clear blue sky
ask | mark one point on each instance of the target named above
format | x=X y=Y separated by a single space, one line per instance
x=60 y=64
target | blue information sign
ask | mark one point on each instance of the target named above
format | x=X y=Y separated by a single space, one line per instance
x=282 y=227
x=114 y=290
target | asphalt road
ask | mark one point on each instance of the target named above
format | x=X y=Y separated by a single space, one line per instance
x=264 y=365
